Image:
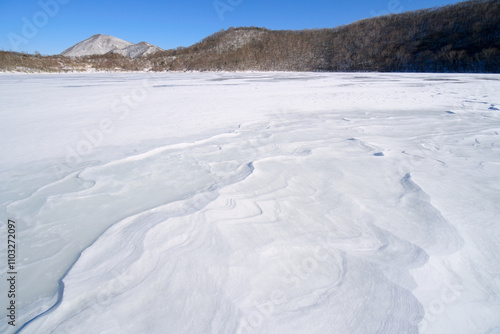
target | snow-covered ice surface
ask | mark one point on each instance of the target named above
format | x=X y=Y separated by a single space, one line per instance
x=252 y=202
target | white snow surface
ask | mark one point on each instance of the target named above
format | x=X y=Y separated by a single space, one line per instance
x=252 y=202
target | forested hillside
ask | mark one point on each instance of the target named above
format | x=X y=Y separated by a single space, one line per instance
x=464 y=37
x=457 y=38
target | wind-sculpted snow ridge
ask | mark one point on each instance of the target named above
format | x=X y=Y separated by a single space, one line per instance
x=259 y=237
x=245 y=220
x=375 y=220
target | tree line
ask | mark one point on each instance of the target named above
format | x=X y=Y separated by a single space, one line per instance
x=464 y=37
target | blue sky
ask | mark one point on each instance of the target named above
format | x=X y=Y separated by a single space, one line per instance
x=50 y=26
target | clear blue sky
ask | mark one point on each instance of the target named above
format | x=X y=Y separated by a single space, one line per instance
x=28 y=25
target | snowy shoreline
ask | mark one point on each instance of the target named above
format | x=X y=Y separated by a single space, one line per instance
x=241 y=72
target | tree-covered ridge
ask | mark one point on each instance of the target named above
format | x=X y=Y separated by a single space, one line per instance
x=459 y=38
x=464 y=37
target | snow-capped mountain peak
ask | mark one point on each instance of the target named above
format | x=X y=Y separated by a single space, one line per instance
x=96 y=45
x=138 y=50
x=101 y=44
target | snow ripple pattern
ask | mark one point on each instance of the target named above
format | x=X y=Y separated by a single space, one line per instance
x=224 y=235
x=309 y=223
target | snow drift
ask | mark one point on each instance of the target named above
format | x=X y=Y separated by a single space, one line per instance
x=254 y=202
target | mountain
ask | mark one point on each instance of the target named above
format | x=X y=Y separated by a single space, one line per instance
x=96 y=45
x=464 y=37
x=103 y=44
x=141 y=49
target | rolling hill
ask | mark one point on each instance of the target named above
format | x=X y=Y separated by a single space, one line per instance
x=464 y=37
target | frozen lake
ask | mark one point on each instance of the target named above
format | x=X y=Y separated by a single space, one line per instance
x=252 y=202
